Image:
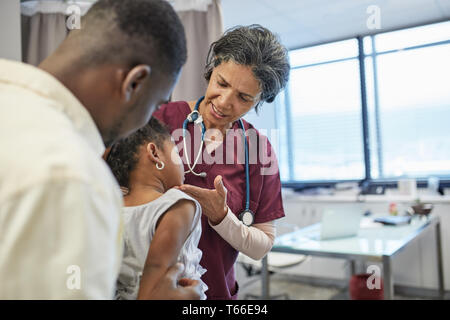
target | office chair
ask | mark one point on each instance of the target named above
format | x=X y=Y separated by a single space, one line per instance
x=277 y=261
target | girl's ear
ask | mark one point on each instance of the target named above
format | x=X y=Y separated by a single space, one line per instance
x=153 y=152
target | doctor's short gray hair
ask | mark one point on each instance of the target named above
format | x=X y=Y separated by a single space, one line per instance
x=257 y=47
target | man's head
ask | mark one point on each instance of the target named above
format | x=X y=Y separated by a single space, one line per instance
x=122 y=63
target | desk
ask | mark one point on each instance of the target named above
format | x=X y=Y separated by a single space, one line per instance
x=378 y=244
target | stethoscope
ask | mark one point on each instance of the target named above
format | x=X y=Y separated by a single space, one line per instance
x=247 y=216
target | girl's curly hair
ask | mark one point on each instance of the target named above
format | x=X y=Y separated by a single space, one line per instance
x=124 y=154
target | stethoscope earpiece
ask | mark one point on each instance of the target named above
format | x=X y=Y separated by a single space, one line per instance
x=193 y=116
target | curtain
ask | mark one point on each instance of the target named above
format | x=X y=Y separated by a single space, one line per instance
x=203 y=24
x=44 y=27
x=41 y=35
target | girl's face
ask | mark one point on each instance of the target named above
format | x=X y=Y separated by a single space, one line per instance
x=173 y=172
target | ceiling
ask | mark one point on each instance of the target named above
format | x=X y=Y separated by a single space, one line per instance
x=301 y=23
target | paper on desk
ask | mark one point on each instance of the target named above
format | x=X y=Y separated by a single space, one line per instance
x=368 y=223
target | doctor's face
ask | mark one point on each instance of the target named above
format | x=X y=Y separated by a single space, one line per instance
x=232 y=91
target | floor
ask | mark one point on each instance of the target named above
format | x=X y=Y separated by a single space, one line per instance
x=286 y=284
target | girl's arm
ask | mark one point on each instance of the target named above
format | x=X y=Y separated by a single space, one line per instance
x=172 y=230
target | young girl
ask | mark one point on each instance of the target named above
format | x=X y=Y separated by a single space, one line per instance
x=162 y=224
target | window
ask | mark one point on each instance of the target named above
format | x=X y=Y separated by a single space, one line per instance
x=414 y=113
x=406 y=83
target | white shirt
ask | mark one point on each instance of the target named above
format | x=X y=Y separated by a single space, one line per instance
x=60 y=222
x=139 y=229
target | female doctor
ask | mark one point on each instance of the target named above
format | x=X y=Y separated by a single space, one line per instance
x=240 y=201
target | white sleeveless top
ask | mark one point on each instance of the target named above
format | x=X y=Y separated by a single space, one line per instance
x=139 y=228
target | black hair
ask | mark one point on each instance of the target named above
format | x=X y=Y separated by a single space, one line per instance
x=124 y=154
x=257 y=47
x=134 y=32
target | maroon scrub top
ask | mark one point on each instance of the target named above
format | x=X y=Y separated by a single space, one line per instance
x=219 y=257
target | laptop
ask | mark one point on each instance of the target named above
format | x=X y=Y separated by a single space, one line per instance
x=339 y=223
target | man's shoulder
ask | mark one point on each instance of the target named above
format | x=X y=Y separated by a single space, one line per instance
x=172 y=113
x=42 y=156
x=176 y=106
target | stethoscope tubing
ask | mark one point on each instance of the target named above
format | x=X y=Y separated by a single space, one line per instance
x=196 y=114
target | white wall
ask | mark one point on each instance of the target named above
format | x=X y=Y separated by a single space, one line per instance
x=10 y=34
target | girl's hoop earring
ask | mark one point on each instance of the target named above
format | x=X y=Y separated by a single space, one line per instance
x=124 y=190
x=160 y=165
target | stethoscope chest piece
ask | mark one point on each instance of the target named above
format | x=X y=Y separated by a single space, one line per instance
x=247 y=217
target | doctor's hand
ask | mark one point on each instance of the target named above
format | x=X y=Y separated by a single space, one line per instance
x=213 y=201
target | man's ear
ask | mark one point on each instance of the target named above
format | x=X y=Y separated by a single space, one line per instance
x=134 y=81
x=153 y=152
